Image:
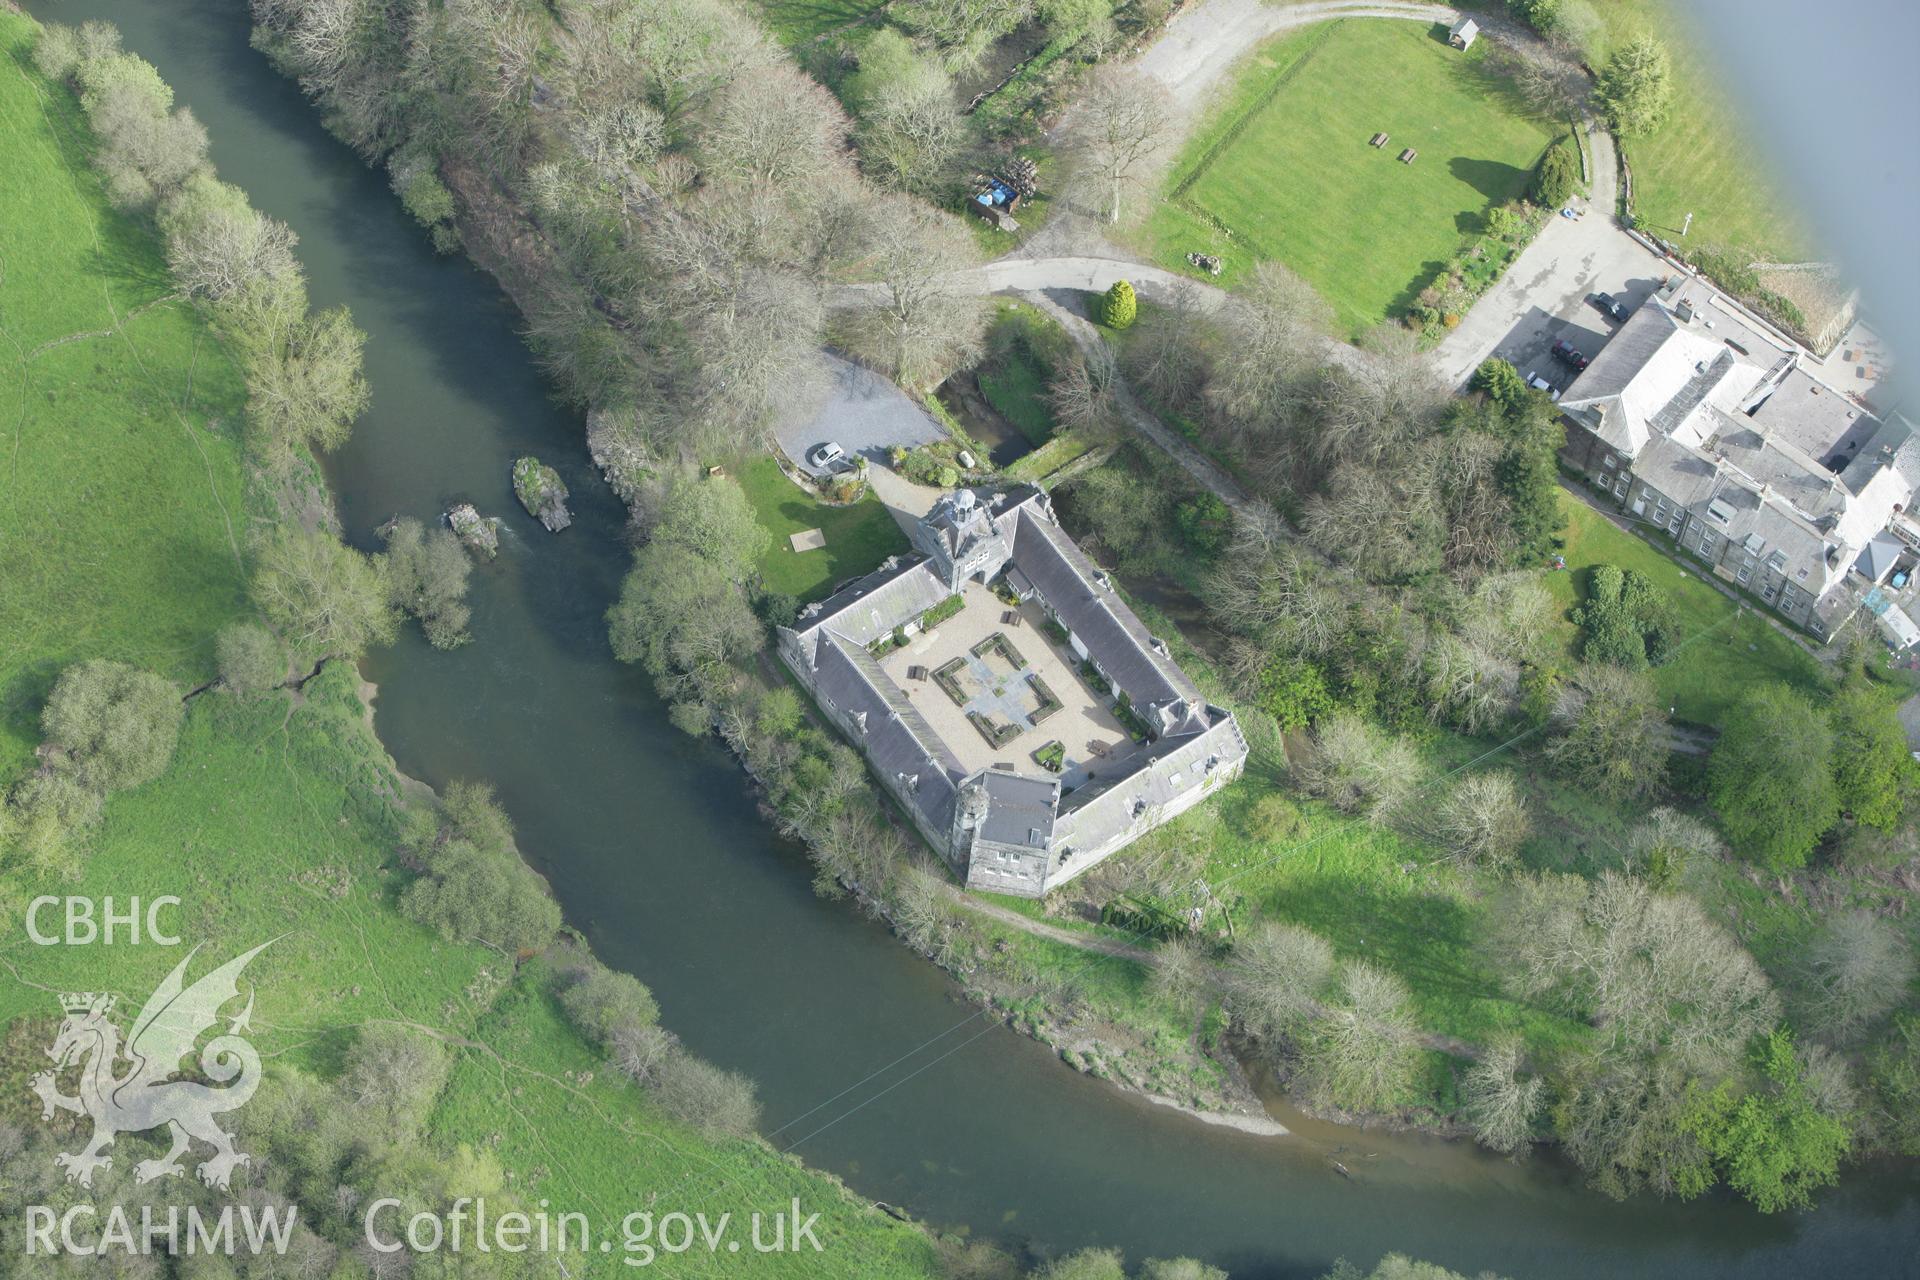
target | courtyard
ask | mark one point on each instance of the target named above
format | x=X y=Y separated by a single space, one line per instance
x=997 y=690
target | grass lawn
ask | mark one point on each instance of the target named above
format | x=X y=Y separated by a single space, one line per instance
x=796 y=23
x=858 y=537
x=1349 y=882
x=1282 y=169
x=1014 y=378
x=1721 y=657
x=121 y=497
x=1705 y=160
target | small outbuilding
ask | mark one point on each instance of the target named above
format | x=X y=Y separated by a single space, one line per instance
x=1463 y=33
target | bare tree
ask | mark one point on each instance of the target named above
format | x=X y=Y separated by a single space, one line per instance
x=1181 y=973
x=1498 y=1101
x=1361 y=1053
x=1663 y=845
x=922 y=322
x=1275 y=978
x=1856 y=969
x=1469 y=686
x=1276 y=327
x=776 y=126
x=1168 y=358
x=1082 y=394
x=910 y=132
x=1483 y=820
x=1118 y=133
x=217 y=243
x=1264 y=589
x=1650 y=970
x=1359 y=769
x=1609 y=733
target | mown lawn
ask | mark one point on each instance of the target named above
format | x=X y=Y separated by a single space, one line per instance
x=1721 y=656
x=1706 y=159
x=858 y=537
x=1282 y=170
x=122 y=516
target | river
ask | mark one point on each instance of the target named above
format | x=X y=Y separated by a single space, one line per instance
x=652 y=842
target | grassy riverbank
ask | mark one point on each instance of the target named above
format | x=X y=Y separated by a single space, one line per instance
x=123 y=515
x=279 y=816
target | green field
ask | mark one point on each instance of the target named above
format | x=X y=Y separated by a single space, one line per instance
x=278 y=819
x=858 y=537
x=1721 y=657
x=1282 y=170
x=1706 y=160
x=121 y=500
x=1014 y=378
x=796 y=23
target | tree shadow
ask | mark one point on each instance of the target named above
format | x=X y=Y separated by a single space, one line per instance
x=1496 y=180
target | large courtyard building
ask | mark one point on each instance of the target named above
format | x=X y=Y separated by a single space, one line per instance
x=1720 y=436
x=1022 y=715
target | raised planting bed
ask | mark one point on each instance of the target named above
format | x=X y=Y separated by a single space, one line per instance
x=1000 y=647
x=1047 y=702
x=998 y=733
x=1052 y=757
x=1055 y=632
x=947 y=676
x=941 y=612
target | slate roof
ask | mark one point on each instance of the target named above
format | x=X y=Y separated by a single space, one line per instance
x=1093 y=612
x=1020 y=809
x=870 y=607
x=1876 y=559
x=1100 y=811
x=896 y=738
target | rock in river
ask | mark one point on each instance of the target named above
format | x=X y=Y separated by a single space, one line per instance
x=481 y=534
x=540 y=491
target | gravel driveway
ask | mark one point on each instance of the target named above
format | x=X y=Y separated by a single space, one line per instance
x=856 y=408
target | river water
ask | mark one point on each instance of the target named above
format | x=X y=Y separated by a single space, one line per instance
x=653 y=845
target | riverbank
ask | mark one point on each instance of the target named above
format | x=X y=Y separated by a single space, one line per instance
x=281 y=815
x=652 y=841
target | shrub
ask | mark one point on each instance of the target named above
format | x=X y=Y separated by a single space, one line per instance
x=1273 y=818
x=1118 y=306
x=1626 y=620
x=250 y=659
x=716 y=1102
x=117 y=723
x=1556 y=177
x=604 y=1004
x=396 y=1073
x=1500 y=382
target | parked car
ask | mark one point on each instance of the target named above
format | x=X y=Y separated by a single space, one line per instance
x=1610 y=307
x=1539 y=383
x=1565 y=352
x=827 y=457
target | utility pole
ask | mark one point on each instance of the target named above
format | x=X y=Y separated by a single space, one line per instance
x=1685 y=226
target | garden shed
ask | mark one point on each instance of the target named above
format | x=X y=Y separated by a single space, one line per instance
x=1463 y=33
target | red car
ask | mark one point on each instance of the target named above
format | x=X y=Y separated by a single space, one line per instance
x=1564 y=352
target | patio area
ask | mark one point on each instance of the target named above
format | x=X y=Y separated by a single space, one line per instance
x=997 y=690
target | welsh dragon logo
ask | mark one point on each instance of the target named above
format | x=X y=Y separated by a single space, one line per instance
x=146 y=1096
